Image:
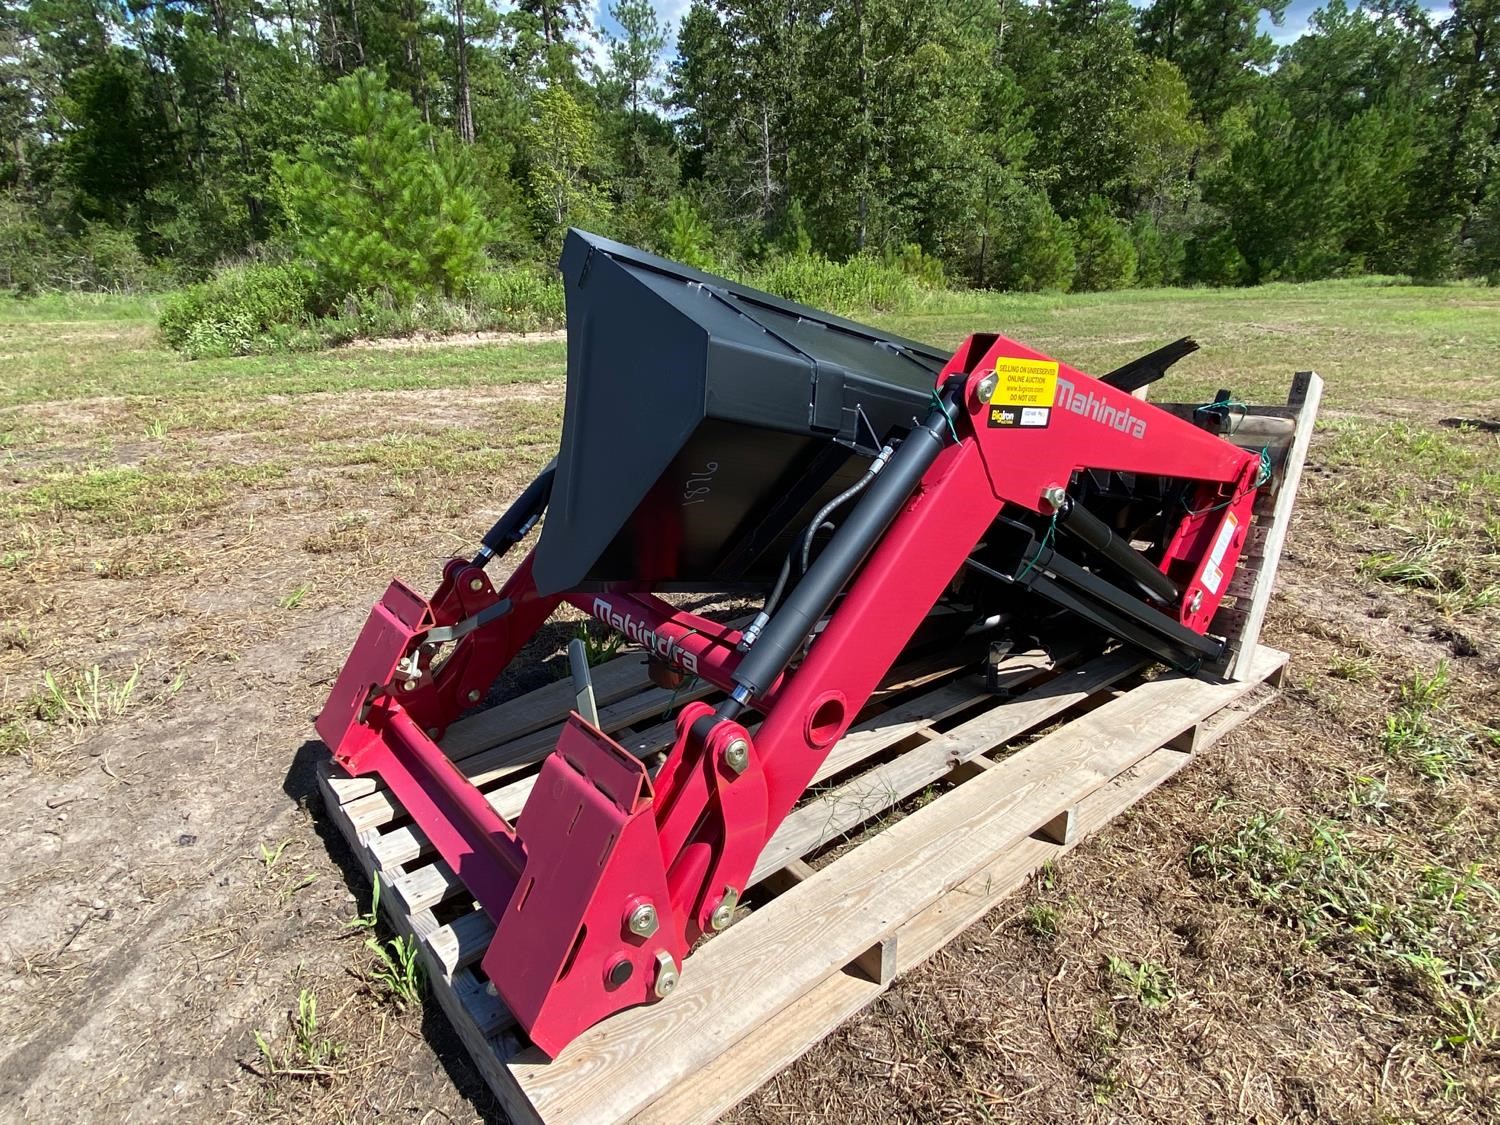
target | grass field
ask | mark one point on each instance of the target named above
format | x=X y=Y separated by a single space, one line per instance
x=1302 y=927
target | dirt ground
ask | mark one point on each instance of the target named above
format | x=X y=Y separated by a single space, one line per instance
x=1298 y=928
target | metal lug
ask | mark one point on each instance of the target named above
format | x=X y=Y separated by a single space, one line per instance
x=666 y=973
x=723 y=914
x=984 y=389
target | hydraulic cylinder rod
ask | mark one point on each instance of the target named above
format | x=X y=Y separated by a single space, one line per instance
x=519 y=518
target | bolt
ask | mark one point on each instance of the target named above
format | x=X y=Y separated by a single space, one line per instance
x=1055 y=495
x=985 y=388
x=474 y=696
x=1197 y=602
x=409 y=685
x=737 y=755
x=476 y=584
x=666 y=973
x=619 y=972
x=643 y=920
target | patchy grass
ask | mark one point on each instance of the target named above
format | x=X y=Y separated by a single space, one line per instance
x=88 y=698
x=1421 y=735
x=306 y=1052
x=1150 y=985
x=136 y=500
x=1372 y=903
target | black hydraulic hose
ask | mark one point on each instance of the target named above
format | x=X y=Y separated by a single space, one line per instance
x=841 y=499
x=519 y=518
x=752 y=630
x=1088 y=528
x=865 y=524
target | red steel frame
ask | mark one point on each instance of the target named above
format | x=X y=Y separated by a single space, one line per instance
x=599 y=837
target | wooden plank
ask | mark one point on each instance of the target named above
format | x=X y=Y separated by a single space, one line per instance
x=831 y=815
x=737 y=1073
x=1305 y=397
x=614 y=679
x=617 y=1068
x=407 y=844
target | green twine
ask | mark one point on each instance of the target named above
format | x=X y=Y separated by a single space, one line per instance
x=1045 y=543
x=671 y=703
x=1224 y=408
x=937 y=404
x=1263 y=474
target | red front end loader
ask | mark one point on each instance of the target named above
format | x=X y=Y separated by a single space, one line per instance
x=866 y=496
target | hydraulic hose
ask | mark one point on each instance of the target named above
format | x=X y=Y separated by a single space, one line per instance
x=833 y=568
x=843 y=498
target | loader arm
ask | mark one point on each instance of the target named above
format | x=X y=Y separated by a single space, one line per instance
x=983 y=498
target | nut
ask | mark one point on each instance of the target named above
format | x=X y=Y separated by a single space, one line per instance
x=737 y=756
x=984 y=389
x=643 y=920
x=475 y=695
x=476 y=584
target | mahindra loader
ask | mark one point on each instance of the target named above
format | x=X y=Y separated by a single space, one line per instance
x=867 y=497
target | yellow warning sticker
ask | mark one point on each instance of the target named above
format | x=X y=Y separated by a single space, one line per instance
x=1025 y=382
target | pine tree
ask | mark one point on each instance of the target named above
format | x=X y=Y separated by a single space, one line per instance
x=381 y=202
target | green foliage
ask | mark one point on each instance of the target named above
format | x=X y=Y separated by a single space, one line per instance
x=1149 y=984
x=397 y=969
x=1212 y=258
x=685 y=236
x=517 y=298
x=562 y=138
x=1160 y=254
x=1102 y=249
x=381 y=202
x=99 y=258
x=860 y=284
x=394 y=148
x=231 y=314
x=1033 y=248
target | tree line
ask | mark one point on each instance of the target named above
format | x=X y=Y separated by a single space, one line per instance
x=1059 y=144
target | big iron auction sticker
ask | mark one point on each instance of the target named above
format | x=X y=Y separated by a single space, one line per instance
x=1025 y=390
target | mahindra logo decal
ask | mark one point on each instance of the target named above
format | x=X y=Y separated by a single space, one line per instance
x=1099 y=410
x=643 y=635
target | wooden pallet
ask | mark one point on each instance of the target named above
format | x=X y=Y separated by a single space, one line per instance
x=939 y=802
